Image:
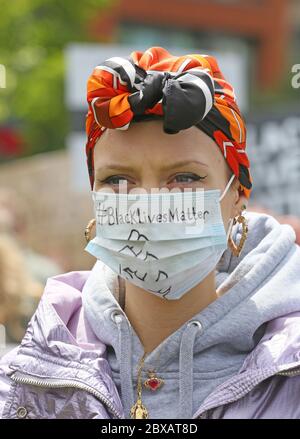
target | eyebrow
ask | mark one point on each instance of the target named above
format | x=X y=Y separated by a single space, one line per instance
x=114 y=167
x=119 y=167
x=184 y=163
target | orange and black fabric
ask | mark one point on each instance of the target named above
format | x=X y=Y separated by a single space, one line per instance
x=182 y=90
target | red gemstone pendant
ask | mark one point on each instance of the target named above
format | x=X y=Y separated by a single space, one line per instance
x=153 y=382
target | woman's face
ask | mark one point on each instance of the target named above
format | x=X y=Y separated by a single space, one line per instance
x=146 y=157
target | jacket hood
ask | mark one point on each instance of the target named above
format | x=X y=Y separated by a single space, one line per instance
x=254 y=324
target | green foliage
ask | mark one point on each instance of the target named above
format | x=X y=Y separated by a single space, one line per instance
x=33 y=34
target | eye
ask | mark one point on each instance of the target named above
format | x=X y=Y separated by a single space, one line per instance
x=114 y=180
x=187 y=177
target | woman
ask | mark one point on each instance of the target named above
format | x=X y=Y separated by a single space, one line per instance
x=192 y=311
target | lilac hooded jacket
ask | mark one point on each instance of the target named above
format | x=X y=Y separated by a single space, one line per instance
x=60 y=369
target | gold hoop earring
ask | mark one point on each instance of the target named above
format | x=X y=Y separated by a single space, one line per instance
x=236 y=249
x=87 y=231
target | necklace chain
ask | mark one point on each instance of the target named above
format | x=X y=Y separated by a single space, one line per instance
x=139 y=382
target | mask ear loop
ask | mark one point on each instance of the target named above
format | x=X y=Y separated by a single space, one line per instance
x=229 y=228
x=227 y=187
x=221 y=198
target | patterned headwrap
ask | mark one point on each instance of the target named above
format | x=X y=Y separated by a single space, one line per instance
x=183 y=90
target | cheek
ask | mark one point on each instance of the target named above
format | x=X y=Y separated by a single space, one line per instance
x=226 y=209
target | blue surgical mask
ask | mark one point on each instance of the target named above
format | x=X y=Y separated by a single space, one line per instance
x=165 y=249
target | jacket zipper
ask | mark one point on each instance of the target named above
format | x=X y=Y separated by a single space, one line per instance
x=287 y=372
x=290 y=372
x=22 y=378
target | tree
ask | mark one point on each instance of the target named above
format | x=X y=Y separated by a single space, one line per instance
x=33 y=34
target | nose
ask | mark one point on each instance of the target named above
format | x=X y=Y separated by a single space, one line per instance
x=151 y=183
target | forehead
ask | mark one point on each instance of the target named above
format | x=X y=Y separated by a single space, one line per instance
x=147 y=141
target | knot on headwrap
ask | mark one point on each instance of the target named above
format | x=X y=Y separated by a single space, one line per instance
x=184 y=90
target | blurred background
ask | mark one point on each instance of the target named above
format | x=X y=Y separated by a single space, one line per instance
x=48 y=48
